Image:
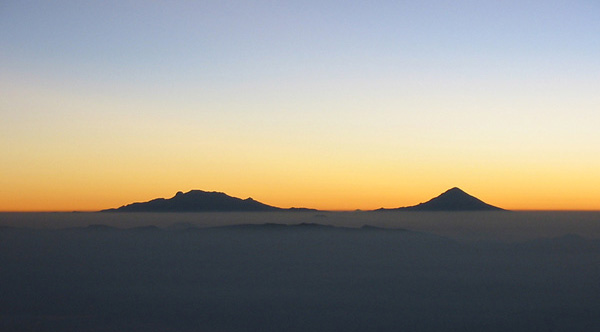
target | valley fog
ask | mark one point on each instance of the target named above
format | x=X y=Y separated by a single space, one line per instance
x=502 y=226
x=508 y=271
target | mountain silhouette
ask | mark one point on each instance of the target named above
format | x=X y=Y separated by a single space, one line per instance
x=204 y=201
x=452 y=200
x=197 y=201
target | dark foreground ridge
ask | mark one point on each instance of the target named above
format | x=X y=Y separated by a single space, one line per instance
x=187 y=227
x=307 y=226
x=197 y=201
x=452 y=200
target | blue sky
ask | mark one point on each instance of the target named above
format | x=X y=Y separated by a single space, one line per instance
x=505 y=88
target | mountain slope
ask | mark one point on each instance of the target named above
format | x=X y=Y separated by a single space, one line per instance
x=452 y=200
x=196 y=201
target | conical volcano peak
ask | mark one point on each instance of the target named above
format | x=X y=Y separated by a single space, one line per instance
x=454 y=191
x=454 y=199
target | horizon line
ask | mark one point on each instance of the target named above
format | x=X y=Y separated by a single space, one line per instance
x=284 y=210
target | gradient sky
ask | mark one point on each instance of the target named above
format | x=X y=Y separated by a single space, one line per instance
x=326 y=104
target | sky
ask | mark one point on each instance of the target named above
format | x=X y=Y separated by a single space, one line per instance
x=337 y=105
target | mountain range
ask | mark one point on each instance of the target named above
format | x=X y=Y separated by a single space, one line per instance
x=204 y=201
x=197 y=201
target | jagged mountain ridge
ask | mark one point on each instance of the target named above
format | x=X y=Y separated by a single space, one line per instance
x=197 y=201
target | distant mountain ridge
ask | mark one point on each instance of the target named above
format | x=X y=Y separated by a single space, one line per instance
x=211 y=201
x=451 y=200
x=197 y=201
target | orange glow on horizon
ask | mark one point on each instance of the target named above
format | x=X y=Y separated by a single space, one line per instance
x=333 y=200
x=101 y=107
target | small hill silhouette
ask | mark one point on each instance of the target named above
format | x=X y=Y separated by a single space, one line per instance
x=452 y=200
x=196 y=201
